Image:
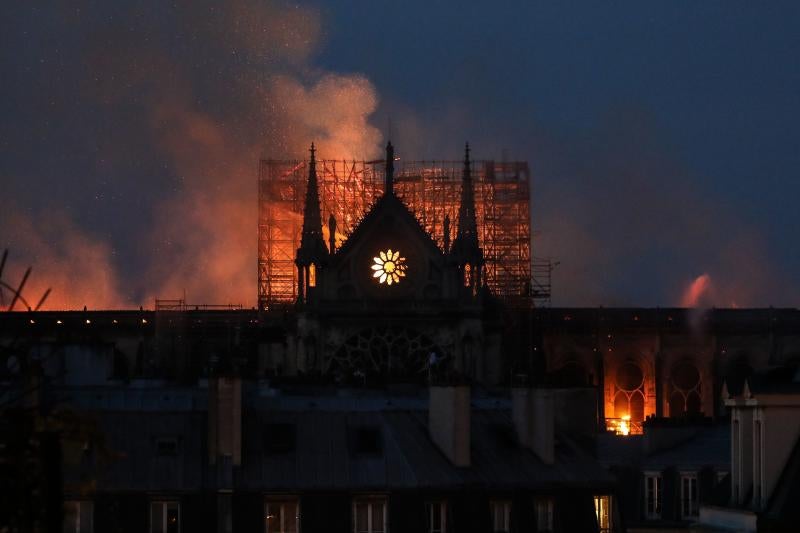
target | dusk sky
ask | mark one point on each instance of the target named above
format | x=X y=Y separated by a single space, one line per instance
x=663 y=138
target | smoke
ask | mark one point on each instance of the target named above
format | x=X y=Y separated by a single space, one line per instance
x=63 y=257
x=698 y=292
x=132 y=134
x=182 y=103
x=631 y=224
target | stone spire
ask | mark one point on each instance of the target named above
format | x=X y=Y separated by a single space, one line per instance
x=466 y=241
x=389 y=183
x=312 y=245
x=312 y=253
x=466 y=248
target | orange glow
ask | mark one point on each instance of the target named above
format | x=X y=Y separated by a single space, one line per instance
x=697 y=291
x=199 y=239
x=623 y=426
x=312 y=275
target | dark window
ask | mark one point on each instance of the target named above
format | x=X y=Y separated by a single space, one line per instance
x=279 y=438
x=501 y=516
x=165 y=517
x=437 y=517
x=652 y=488
x=282 y=515
x=689 y=501
x=367 y=440
x=78 y=517
x=369 y=515
x=544 y=514
x=167 y=446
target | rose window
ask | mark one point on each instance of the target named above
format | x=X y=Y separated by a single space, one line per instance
x=389 y=267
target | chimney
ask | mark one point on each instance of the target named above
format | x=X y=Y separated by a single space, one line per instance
x=533 y=413
x=449 y=421
x=225 y=419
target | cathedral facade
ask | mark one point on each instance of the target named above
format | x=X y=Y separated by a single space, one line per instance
x=389 y=303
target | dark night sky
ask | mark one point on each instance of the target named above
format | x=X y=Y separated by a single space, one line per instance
x=663 y=137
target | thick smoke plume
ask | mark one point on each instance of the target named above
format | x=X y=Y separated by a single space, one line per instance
x=183 y=99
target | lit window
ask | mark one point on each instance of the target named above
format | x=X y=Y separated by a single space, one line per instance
x=602 y=508
x=312 y=275
x=437 y=517
x=501 y=516
x=389 y=267
x=544 y=515
x=689 y=495
x=282 y=515
x=629 y=404
x=165 y=517
x=369 y=515
x=78 y=517
x=652 y=495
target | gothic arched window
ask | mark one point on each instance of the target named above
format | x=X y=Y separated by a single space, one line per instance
x=629 y=392
x=685 y=392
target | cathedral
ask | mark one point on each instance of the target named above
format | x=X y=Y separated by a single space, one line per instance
x=389 y=304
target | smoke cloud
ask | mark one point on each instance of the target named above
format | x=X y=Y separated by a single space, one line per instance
x=66 y=258
x=632 y=224
x=182 y=103
x=132 y=134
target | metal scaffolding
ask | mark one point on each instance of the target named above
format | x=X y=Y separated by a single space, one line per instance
x=431 y=189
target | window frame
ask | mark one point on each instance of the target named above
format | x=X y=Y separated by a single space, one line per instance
x=431 y=527
x=548 y=503
x=370 y=501
x=281 y=501
x=657 y=481
x=609 y=512
x=692 y=501
x=505 y=505
x=165 y=503
x=79 y=504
